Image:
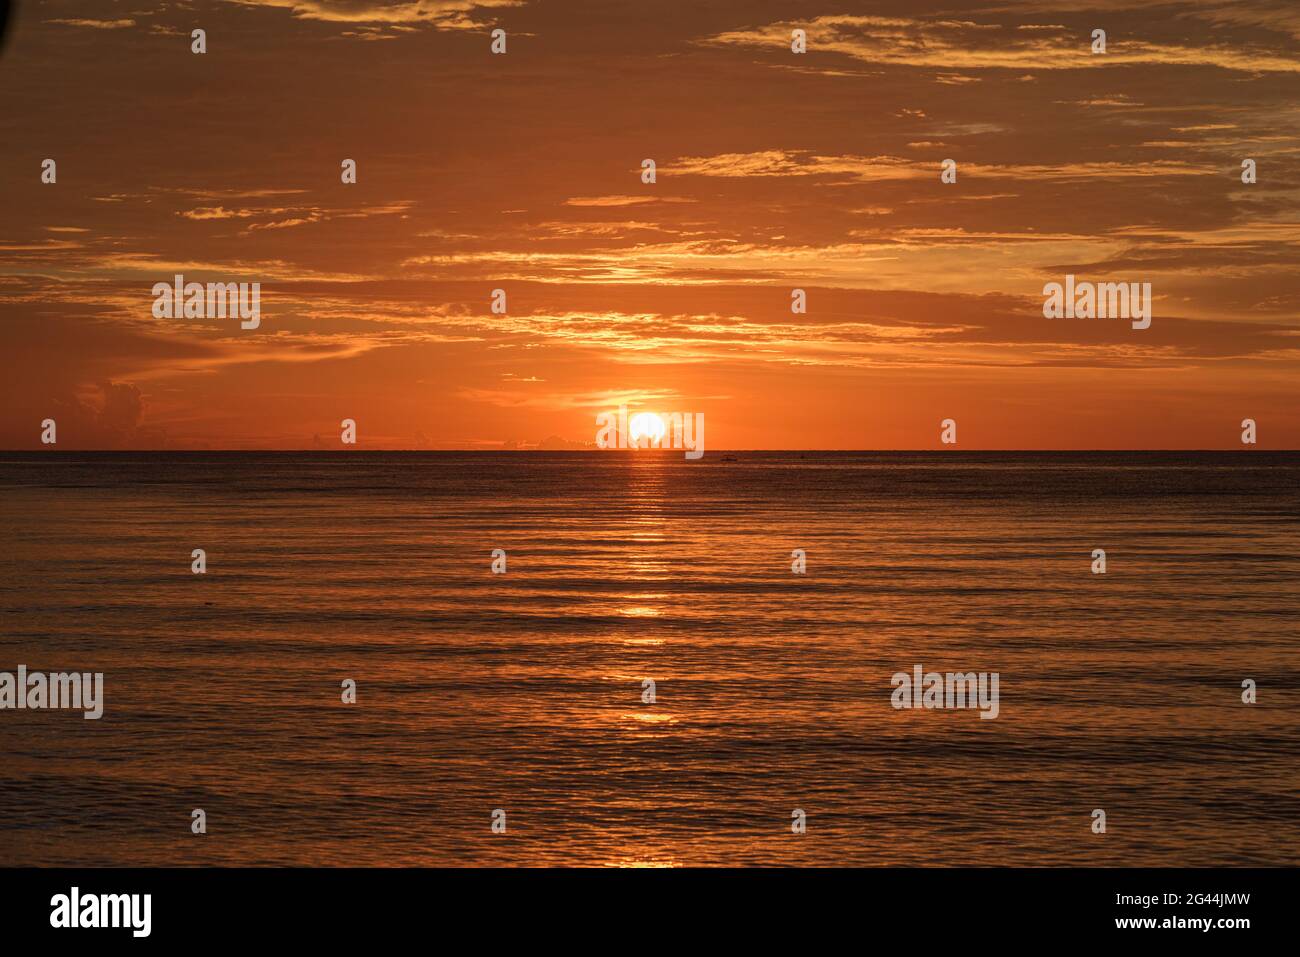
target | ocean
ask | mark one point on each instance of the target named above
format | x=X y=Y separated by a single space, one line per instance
x=522 y=692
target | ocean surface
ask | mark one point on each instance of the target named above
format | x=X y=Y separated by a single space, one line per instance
x=523 y=691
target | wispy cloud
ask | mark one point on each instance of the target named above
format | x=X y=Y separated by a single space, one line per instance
x=94 y=24
x=968 y=45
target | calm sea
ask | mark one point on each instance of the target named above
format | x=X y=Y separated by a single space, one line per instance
x=523 y=691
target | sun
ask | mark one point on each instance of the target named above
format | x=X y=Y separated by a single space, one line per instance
x=647 y=425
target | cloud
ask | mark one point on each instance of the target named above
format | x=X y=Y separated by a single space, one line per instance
x=95 y=24
x=105 y=415
x=214 y=212
x=870 y=169
x=314 y=217
x=442 y=14
x=569 y=401
x=609 y=200
x=122 y=407
x=624 y=200
x=965 y=45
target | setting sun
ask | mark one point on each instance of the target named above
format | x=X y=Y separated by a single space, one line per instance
x=647 y=425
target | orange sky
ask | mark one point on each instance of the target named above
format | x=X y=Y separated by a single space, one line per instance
x=775 y=171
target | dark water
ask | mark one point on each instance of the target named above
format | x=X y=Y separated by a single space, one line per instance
x=523 y=691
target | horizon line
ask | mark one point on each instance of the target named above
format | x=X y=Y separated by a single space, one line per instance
x=630 y=451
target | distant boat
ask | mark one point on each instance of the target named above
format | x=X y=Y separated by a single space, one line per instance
x=730 y=458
